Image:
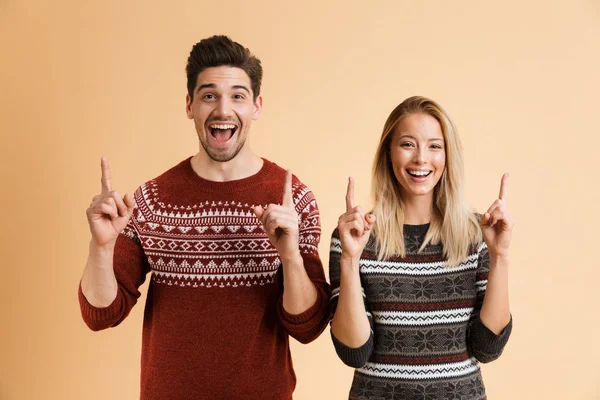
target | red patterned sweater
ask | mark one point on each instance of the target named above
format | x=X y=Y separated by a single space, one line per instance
x=214 y=324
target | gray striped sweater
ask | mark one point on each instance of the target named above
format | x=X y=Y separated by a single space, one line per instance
x=426 y=335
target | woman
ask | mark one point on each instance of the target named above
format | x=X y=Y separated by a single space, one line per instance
x=421 y=283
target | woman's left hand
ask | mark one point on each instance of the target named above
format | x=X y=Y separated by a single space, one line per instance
x=497 y=224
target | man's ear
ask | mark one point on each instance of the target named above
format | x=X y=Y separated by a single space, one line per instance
x=257 y=108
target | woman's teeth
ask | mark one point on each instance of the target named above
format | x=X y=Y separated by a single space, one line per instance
x=419 y=173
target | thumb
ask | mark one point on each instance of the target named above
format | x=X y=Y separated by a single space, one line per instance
x=485 y=219
x=129 y=202
x=259 y=211
x=370 y=221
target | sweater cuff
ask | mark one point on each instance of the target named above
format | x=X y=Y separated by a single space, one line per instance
x=303 y=317
x=487 y=340
x=98 y=314
x=355 y=357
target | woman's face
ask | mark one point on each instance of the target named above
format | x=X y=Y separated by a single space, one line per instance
x=418 y=155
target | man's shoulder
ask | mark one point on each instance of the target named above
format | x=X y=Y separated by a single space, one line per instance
x=176 y=172
x=277 y=173
x=170 y=179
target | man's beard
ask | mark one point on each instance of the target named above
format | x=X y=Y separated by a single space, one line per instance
x=215 y=156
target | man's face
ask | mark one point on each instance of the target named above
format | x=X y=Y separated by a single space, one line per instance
x=223 y=109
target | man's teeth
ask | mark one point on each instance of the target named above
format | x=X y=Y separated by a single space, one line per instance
x=419 y=173
x=222 y=126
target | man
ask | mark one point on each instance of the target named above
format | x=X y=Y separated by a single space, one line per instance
x=230 y=242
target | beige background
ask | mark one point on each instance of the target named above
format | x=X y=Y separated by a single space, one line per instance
x=81 y=80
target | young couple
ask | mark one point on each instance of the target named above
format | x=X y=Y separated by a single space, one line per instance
x=419 y=283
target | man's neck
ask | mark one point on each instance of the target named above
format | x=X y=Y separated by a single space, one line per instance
x=240 y=167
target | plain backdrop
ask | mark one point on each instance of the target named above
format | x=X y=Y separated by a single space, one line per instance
x=81 y=79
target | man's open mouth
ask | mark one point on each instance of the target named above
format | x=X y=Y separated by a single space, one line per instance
x=222 y=132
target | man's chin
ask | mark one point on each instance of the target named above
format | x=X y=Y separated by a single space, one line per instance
x=223 y=153
x=221 y=159
x=223 y=156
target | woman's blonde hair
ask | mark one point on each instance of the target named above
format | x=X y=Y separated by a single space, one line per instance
x=453 y=224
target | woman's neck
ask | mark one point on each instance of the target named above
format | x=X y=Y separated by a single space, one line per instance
x=418 y=209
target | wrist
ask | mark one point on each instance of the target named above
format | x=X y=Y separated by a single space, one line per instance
x=349 y=257
x=102 y=250
x=348 y=261
x=295 y=258
x=499 y=259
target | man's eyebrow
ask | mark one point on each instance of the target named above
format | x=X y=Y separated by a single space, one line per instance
x=212 y=86
x=241 y=87
x=206 y=85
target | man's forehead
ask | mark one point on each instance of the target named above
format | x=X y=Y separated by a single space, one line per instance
x=223 y=77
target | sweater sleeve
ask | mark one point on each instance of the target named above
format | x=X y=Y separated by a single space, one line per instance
x=130 y=266
x=353 y=357
x=307 y=326
x=482 y=343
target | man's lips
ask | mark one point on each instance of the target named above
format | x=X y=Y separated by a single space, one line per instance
x=222 y=132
